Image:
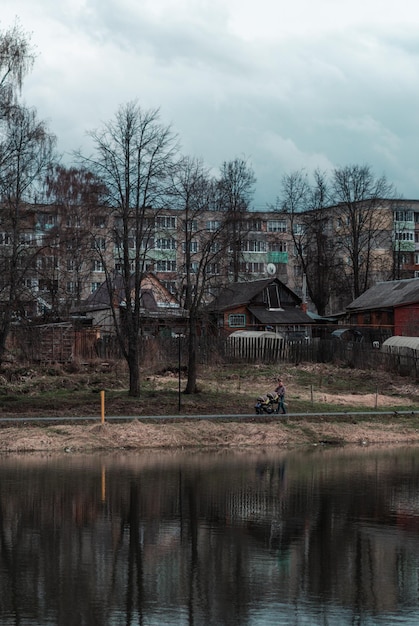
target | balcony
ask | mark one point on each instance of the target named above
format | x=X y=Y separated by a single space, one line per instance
x=277 y=257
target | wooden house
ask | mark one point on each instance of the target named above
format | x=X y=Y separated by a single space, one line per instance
x=393 y=305
x=260 y=305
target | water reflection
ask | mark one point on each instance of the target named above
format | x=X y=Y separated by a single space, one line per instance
x=311 y=537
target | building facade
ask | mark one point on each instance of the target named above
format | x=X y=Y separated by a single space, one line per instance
x=67 y=253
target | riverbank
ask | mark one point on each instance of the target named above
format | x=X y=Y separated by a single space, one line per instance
x=290 y=432
x=311 y=388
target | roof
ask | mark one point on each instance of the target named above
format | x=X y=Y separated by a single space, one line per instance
x=286 y=316
x=153 y=294
x=387 y=294
x=242 y=293
x=401 y=342
x=255 y=333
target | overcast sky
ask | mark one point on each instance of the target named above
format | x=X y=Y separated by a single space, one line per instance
x=284 y=84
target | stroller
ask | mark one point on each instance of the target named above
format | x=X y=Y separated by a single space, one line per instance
x=268 y=403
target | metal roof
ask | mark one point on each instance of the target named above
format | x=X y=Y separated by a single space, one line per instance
x=401 y=342
x=286 y=316
x=387 y=294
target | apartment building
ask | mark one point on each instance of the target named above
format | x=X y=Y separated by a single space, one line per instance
x=66 y=252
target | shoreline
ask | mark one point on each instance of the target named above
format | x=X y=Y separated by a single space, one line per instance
x=204 y=433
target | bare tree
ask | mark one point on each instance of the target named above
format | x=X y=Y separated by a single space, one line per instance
x=26 y=152
x=77 y=194
x=134 y=156
x=360 y=202
x=236 y=188
x=193 y=193
x=306 y=203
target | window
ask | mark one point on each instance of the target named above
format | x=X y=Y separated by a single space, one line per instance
x=165 y=266
x=276 y=226
x=71 y=287
x=5 y=239
x=98 y=243
x=166 y=221
x=252 y=245
x=250 y=268
x=278 y=246
x=70 y=265
x=99 y=221
x=237 y=320
x=212 y=269
x=194 y=267
x=94 y=287
x=25 y=239
x=165 y=244
x=97 y=266
x=416 y=259
x=272 y=297
x=193 y=246
x=119 y=266
x=403 y=216
x=170 y=286
x=190 y=226
x=213 y=225
x=30 y=283
x=298 y=229
x=49 y=221
x=253 y=225
x=73 y=221
x=404 y=236
x=256 y=246
x=47 y=263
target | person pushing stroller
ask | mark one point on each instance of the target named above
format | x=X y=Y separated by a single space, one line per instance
x=280 y=391
x=273 y=401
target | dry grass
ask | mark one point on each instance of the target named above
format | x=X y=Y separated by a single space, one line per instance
x=310 y=388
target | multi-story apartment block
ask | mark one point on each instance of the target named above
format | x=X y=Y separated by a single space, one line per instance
x=66 y=253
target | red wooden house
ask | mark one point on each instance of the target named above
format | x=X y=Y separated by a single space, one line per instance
x=393 y=304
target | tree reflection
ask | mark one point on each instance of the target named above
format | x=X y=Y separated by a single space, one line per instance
x=209 y=541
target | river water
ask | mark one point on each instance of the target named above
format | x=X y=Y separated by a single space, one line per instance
x=309 y=537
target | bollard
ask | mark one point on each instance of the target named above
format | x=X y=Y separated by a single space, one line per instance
x=102 y=407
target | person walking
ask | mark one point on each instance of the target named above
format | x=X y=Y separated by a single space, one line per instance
x=280 y=390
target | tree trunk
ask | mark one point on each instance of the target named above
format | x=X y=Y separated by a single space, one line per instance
x=192 y=357
x=134 y=372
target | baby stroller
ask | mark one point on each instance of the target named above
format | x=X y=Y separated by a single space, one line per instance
x=268 y=403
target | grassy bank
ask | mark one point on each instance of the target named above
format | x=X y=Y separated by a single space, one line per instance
x=75 y=391
x=320 y=389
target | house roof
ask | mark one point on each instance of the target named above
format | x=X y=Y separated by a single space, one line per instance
x=242 y=293
x=392 y=343
x=155 y=297
x=286 y=316
x=387 y=294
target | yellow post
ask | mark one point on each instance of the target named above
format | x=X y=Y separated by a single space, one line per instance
x=103 y=484
x=102 y=407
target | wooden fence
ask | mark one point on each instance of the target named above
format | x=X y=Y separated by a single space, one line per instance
x=60 y=343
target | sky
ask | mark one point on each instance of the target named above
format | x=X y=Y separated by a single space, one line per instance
x=284 y=85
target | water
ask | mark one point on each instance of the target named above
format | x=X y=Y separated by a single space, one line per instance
x=320 y=536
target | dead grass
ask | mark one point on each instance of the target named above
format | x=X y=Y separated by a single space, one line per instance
x=310 y=388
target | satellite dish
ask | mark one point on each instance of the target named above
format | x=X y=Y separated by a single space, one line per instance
x=271 y=269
